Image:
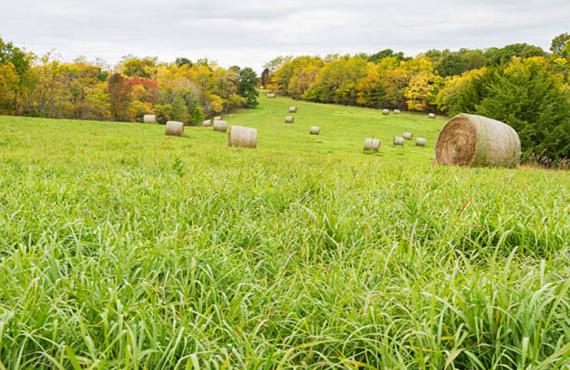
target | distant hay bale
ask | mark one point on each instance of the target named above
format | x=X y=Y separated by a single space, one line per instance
x=292 y=109
x=174 y=128
x=207 y=123
x=386 y=112
x=315 y=130
x=149 y=118
x=218 y=118
x=398 y=140
x=243 y=137
x=220 y=126
x=289 y=119
x=408 y=135
x=270 y=95
x=420 y=141
x=371 y=145
x=431 y=115
x=471 y=140
x=396 y=111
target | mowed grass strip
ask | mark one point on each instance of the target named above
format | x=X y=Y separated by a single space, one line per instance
x=123 y=248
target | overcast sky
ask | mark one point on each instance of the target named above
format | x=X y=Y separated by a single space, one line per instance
x=251 y=32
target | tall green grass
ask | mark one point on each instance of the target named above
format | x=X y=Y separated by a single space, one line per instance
x=121 y=248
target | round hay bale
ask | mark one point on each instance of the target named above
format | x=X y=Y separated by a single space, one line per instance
x=471 y=140
x=420 y=141
x=221 y=126
x=207 y=123
x=174 y=128
x=431 y=115
x=242 y=137
x=396 y=111
x=386 y=112
x=292 y=109
x=270 y=95
x=408 y=135
x=315 y=130
x=289 y=119
x=149 y=118
x=371 y=145
x=398 y=140
x=218 y=118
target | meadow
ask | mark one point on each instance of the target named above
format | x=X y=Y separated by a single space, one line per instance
x=122 y=248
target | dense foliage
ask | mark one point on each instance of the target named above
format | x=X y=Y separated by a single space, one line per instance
x=520 y=84
x=183 y=90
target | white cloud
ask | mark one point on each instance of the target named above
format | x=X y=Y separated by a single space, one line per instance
x=252 y=32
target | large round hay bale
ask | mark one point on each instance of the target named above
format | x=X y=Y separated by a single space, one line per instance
x=243 y=137
x=270 y=95
x=315 y=130
x=396 y=111
x=371 y=145
x=220 y=126
x=398 y=140
x=149 y=118
x=408 y=135
x=292 y=109
x=471 y=140
x=207 y=123
x=420 y=141
x=174 y=128
x=386 y=112
x=431 y=115
x=289 y=119
x=218 y=118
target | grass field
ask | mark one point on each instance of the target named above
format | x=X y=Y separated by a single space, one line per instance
x=121 y=248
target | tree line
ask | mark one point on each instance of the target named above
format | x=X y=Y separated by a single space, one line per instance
x=520 y=84
x=183 y=90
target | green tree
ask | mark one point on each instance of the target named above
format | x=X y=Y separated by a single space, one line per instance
x=248 y=82
x=559 y=42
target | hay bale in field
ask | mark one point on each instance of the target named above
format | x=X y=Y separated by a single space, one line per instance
x=149 y=118
x=398 y=140
x=270 y=95
x=220 y=126
x=371 y=145
x=174 y=128
x=396 y=111
x=218 y=118
x=420 y=141
x=315 y=130
x=289 y=119
x=292 y=109
x=431 y=115
x=207 y=123
x=243 y=137
x=386 y=112
x=408 y=135
x=472 y=140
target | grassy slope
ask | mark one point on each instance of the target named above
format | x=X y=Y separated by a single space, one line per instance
x=120 y=248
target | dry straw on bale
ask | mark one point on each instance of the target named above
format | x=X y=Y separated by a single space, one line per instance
x=371 y=145
x=398 y=140
x=174 y=128
x=243 y=137
x=386 y=112
x=315 y=130
x=431 y=115
x=207 y=123
x=289 y=119
x=420 y=141
x=220 y=126
x=396 y=111
x=471 y=140
x=292 y=109
x=149 y=118
x=408 y=135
